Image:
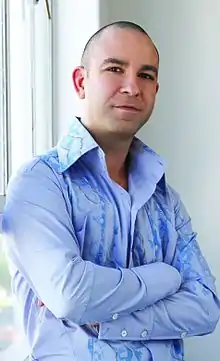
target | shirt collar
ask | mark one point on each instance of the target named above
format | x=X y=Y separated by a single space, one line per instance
x=147 y=167
x=145 y=162
x=74 y=145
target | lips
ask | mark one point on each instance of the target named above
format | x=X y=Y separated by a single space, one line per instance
x=128 y=107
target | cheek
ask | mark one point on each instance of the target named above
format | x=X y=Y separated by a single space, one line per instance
x=104 y=90
x=111 y=88
x=150 y=94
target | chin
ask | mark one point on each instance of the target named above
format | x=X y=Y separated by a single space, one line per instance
x=130 y=125
x=124 y=131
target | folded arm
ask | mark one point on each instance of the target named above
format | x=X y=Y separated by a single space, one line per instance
x=193 y=310
x=42 y=245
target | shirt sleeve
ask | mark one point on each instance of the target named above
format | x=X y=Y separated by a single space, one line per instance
x=195 y=308
x=41 y=243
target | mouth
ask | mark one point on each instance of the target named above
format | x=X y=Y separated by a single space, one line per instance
x=128 y=108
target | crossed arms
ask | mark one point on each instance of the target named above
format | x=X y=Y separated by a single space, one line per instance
x=168 y=301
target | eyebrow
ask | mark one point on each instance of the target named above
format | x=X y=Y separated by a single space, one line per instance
x=144 y=67
x=152 y=68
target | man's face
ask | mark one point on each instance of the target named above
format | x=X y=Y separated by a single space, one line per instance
x=120 y=84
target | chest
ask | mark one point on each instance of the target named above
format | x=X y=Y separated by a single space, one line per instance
x=110 y=229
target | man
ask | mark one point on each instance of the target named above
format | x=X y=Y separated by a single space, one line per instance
x=104 y=261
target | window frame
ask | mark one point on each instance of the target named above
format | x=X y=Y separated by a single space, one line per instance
x=39 y=80
x=35 y=110
x=4 y=103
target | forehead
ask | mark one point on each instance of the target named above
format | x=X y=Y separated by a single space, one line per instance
x=127 y=44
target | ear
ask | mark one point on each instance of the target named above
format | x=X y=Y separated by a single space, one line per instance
x=78 y=77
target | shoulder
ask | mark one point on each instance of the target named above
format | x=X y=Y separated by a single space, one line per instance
x=166 y=193
x=169 y=200
x=42 y=170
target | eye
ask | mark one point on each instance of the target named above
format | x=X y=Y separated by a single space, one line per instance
x=146 y=76
x=114 y=69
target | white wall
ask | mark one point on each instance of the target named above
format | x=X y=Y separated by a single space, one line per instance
x=185 y=127
x=73 y=25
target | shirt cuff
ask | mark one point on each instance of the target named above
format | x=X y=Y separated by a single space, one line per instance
x=128 y=328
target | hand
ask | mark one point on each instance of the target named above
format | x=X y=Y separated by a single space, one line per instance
x=96 y=325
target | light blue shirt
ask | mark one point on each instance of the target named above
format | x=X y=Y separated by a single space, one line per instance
x=95 y=253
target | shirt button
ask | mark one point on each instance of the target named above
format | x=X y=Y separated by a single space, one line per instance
x=124 y=333
x=144 y=334
x=115 y=316
x=183 y=334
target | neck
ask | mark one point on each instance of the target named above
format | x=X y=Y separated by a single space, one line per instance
x=117 y=165
x=116 y=156
x=116 y=149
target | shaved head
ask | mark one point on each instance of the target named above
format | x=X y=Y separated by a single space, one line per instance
x=87 y=52
x=118 y=81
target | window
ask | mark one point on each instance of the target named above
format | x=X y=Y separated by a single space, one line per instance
x=3 y=100
x=6 y=313
x=26 y=124
x=31 y=80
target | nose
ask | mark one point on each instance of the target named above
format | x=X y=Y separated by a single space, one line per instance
x=130 y=86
